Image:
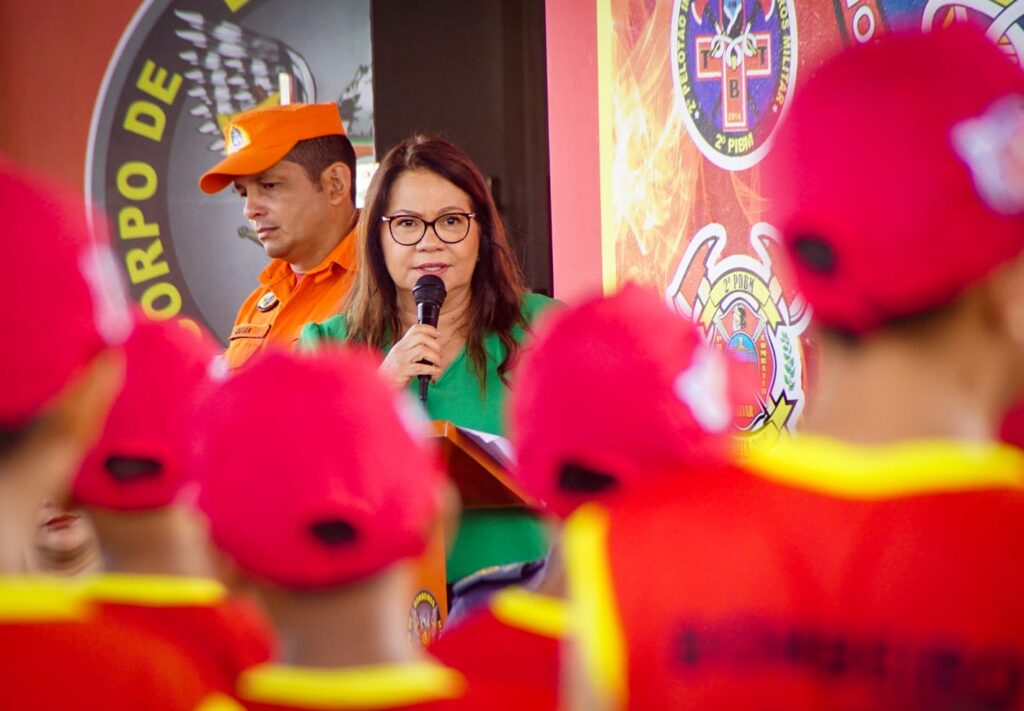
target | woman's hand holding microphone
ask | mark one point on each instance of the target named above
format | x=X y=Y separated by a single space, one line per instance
x=405 y=360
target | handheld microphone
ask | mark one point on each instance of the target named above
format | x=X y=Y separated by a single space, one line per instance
x=429 y=293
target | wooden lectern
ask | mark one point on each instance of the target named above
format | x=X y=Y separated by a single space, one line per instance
x=483 y=482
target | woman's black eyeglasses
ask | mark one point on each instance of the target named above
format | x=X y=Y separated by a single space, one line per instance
x=450 y=228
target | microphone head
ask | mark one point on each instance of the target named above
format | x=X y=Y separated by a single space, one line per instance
x=429 y=289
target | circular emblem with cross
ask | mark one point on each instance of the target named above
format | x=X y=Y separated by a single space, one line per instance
x=735 y=67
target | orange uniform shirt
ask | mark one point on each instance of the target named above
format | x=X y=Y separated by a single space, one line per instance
x=222 y=635
x=514 y=641
x=58 y=654
x=277 y=310
x=833 y=577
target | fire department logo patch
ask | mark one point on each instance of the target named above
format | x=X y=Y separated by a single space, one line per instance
x=424 y=624
x=740 y=307
x=735 y=65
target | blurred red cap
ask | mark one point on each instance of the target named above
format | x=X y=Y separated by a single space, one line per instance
x=622 y=386
x=166 y=367
x=897 y=178
x=69 y=299
x=315 y=474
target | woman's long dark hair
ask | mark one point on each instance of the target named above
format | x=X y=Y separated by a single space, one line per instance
x=497 y=287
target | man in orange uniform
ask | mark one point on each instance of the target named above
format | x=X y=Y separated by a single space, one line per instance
x=597 y=361
x=294 y=167
x=873 y=561
x=158 y=575
x=56 y=386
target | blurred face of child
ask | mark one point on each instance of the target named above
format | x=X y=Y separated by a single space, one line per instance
x=65 y=543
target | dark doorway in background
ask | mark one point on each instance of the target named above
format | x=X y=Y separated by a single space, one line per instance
x=474 y=72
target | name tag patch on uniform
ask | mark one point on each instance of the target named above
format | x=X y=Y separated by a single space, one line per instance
x=267 y=302
x=250 y=330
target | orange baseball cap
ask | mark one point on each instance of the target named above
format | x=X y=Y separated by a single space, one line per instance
x=258 y=139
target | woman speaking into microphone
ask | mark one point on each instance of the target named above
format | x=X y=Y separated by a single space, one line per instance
x=429 y=212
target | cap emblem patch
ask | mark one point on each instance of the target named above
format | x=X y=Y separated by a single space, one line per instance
x=237 y=139
x=702 y=387
x=992 y=146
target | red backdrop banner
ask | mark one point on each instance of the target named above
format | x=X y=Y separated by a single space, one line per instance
x=688 y=95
